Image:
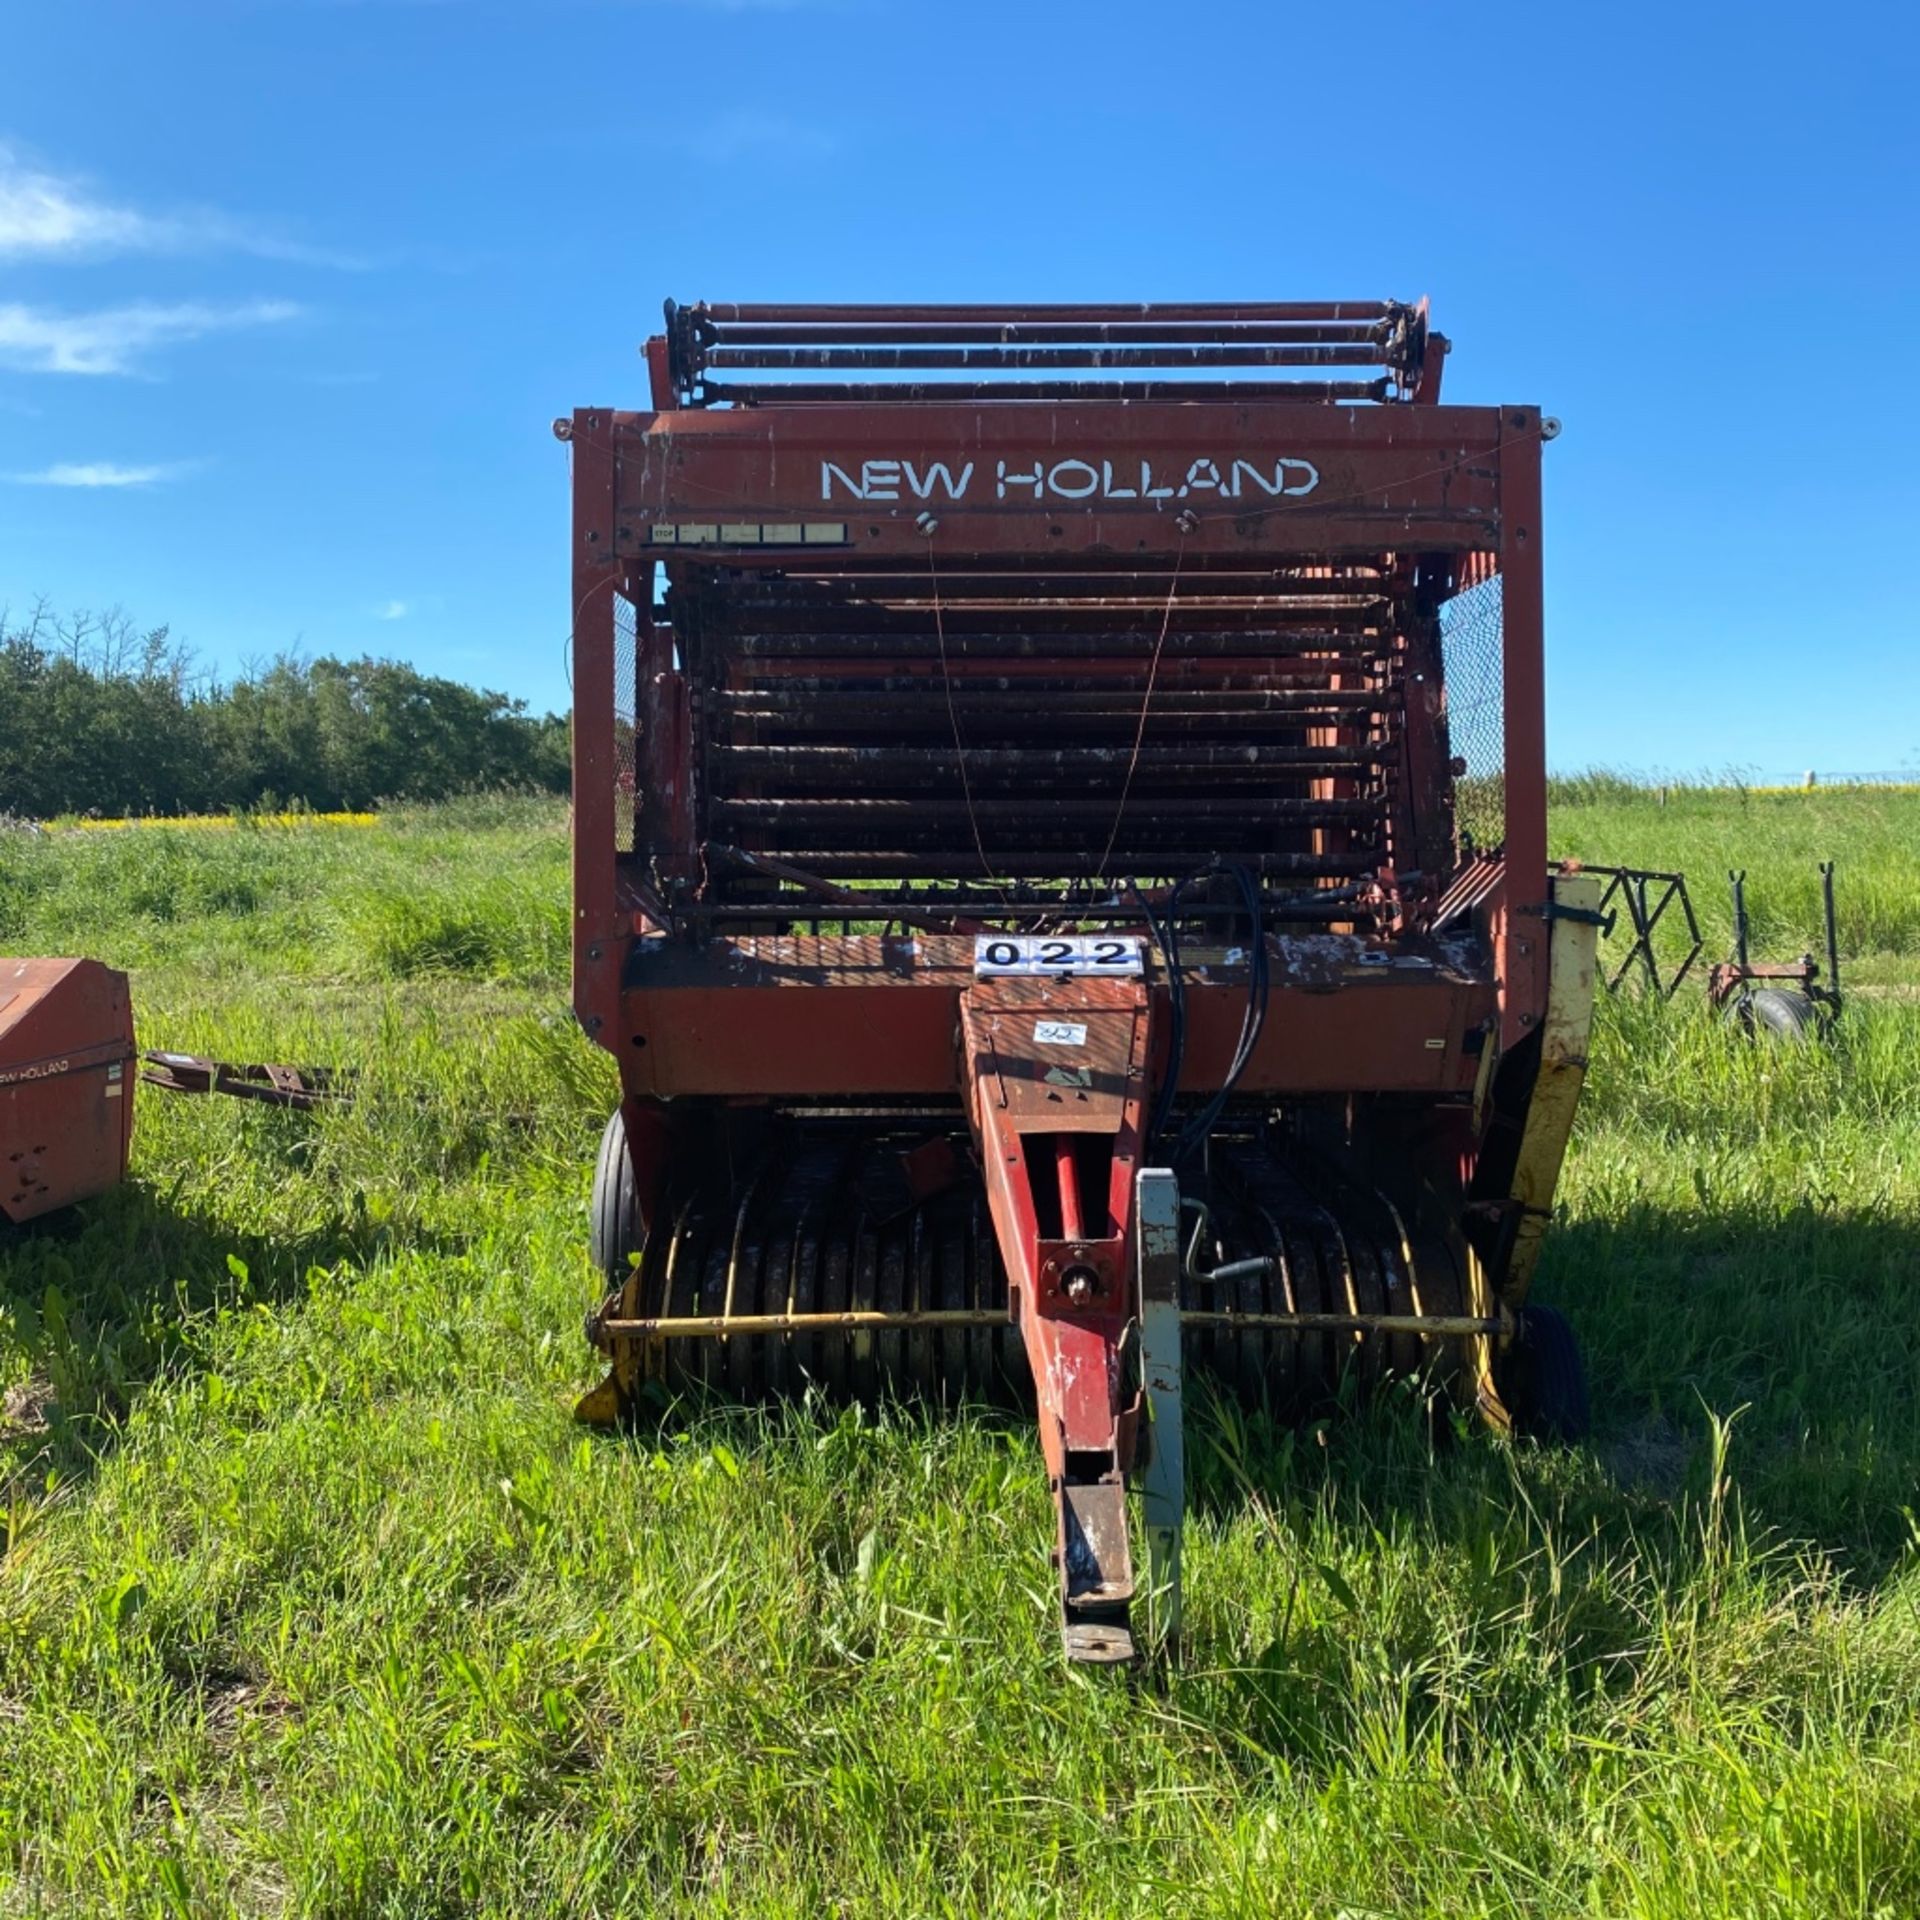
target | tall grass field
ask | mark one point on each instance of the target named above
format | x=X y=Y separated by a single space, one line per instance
x=315 y=1601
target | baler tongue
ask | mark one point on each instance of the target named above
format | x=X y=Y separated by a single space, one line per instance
x=1057 y=1088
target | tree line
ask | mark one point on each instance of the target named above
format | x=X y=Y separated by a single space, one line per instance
x=99 y=715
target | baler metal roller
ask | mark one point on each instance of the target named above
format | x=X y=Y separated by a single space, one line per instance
x=1101 y=312
x=1175 y=683
x=1084 y=334
x=1315 y=650
x=875 y=812
x=794 y=1283
x=777 y=705
x=1049 y=863
x=1007 y=355
x=1088 y=341
x=808 y=763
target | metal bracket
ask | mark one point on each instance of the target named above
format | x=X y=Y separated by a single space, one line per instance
x=1581 y=916
x=1156 y=1214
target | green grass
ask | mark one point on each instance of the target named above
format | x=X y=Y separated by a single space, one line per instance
x=315 y=1601
x=1872 y=834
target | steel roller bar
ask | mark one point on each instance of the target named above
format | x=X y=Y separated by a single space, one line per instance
x=1018 y=333
x=801 y=763
x=1171 y=683
x=776 y=704
x=1062 y=862
x=1211 y=312
x=1257 y=639
x=759 y=1326
x=855 y=393
x=879 y=811
x=931 y=908
x=1012 y=358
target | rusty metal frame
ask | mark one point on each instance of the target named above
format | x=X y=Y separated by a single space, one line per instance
x=1627 y=886
x=1464 y=479
x=989 y=514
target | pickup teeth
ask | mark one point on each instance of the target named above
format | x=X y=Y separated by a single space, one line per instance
x=914 y=1307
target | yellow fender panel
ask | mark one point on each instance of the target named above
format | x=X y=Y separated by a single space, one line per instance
x=1564 y=1036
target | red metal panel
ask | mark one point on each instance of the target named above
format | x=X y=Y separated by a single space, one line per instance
x=862 y=1015
x=66 y=1083
x=1087 y=479
x=1523 y=926
x=597 y=577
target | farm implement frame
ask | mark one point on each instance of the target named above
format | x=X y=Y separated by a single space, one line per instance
x=1017 y=871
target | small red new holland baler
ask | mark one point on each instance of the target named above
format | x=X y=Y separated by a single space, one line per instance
x=1060 y=859
x=66 y=1083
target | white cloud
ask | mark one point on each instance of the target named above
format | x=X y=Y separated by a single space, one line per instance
x=101 y=473
x=111 y=339
x=393 y=610
x=59 y=216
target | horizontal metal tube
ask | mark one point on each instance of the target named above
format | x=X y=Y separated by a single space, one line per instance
x=1170 y=684
x=1299 y=705
x=1348 y=1322
x=991 y=910
x=1029 y=333
x=1008 y=357
x=840 y=809
x=1060 y=862
x=790 y=763
x=1042 y=605
x=1050 y=586
x=751 y=1326
x=1217 y=312
x=921 y=392
x=1009 y=731
x=1260 y=640
x=707 y=1325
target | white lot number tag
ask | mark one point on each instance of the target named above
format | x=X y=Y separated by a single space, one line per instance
x=1060 y=1033
x=1112 y=955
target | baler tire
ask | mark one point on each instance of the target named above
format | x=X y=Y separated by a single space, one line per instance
x=1783 y=1012
x=615 y=1229
x=1543 y=1380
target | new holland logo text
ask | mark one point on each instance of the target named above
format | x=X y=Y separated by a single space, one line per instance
x=1068 y=479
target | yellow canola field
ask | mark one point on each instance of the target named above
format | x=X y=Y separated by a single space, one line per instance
x=226 y=821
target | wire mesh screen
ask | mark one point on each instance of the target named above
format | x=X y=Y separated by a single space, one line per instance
x=1472 y=662
x=626 y=672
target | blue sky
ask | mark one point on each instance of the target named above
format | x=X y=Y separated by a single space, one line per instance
x=290 y=290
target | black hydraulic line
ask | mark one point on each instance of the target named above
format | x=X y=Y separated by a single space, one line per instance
x=1166 y=937
x=1200 y=1127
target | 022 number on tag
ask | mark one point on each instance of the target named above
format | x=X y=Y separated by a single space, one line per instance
x=1110 y=956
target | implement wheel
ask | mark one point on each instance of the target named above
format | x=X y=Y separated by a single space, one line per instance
x=1542 y=1380
x=1783 y=1012
x=616 y=1230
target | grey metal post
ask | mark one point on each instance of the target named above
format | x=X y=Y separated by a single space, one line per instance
x=1157 y=1226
